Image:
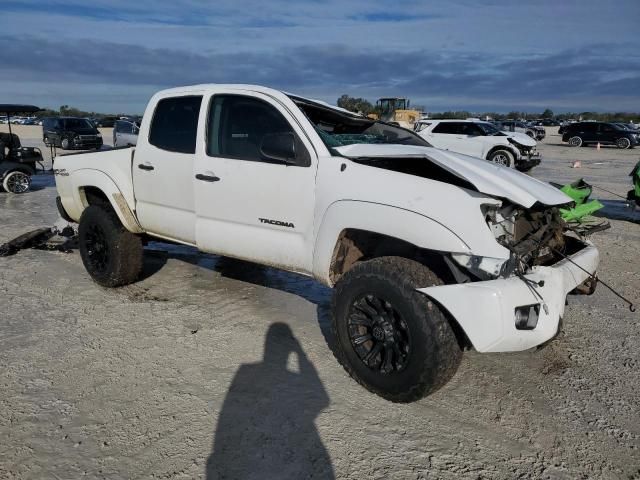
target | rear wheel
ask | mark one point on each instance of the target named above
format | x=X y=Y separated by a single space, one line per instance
x=502 y=157
x=575 y=141
x=17 y=182
x=623 y=143
x=392 y=339
x=111 y=254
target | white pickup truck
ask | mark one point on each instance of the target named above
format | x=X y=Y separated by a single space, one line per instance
x=429 y=252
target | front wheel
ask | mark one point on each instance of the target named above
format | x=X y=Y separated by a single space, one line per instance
x=623 y=143
x=502 y=157
x=110 y=253
x=17 y=182
x=390 y=338
x=65 y=144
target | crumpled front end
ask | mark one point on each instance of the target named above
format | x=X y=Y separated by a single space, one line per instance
x=516 y=313
x=518 y=303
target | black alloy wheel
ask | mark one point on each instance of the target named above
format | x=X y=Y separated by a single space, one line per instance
x=379 y=335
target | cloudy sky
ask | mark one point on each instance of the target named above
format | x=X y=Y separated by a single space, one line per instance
x=111 y=55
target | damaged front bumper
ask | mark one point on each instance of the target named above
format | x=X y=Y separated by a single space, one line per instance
x=487 y=311
x=528 y=160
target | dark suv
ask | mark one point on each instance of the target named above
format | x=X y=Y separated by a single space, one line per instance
x=70 y=133
x=584 y=133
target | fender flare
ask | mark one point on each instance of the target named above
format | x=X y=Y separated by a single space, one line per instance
x=406 y=225
x=100 y=180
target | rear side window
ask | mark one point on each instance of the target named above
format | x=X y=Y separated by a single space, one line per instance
x=585 y=127
x=447 y=127
x=175 y=124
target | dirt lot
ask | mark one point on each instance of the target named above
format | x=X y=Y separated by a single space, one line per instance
x=193 y=364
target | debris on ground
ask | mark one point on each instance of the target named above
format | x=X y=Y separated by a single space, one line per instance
x=45 y=238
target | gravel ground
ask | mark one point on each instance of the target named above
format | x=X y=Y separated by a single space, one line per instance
x=211 y=361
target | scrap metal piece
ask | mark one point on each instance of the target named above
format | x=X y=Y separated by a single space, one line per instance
x=31 y=239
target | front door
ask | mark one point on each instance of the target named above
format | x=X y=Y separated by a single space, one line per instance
x=250 y=205
x=163 y=170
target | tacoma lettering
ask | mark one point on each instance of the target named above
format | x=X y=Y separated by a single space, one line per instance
x=277 y=222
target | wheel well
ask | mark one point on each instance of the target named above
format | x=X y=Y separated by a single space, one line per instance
x=94 y=196
x=501 y=147
x=355 y=246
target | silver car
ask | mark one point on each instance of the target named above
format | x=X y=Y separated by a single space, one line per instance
x=125 y=133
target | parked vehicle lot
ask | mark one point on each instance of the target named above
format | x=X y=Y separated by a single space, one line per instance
x=132 y=382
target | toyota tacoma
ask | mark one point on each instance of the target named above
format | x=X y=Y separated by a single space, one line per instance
x=428 y=252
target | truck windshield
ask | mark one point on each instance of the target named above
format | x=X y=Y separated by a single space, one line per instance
x=337 y=128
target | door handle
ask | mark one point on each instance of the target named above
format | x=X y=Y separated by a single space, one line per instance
x=207 y=178
x=142 y=166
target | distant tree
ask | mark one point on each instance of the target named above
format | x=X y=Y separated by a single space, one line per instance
x=548 y=113
x=358 y=105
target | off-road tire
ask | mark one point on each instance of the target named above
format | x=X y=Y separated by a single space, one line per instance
x=124 y=250
x=16 y=182
x=434 y=352
x=502 y=157
x=575 y=141
x=623 y=143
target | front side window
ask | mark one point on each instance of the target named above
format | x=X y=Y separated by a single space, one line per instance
x=238 y=126
x=175 y=124
x=470 y=129
x=608 y=128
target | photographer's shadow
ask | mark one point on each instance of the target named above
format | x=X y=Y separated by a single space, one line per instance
x=266 y=427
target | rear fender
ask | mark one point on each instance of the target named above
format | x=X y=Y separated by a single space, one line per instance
x=81 y=179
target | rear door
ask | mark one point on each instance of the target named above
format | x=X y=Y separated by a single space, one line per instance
x=249 y=206
x=163 y=169
x=442 y=135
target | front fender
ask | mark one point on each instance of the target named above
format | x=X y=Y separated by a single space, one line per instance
x=71 y=189
x=406 y=225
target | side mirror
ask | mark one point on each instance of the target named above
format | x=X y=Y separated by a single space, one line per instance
x=280 y=147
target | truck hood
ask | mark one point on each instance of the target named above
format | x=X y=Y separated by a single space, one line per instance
x=488 y=178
